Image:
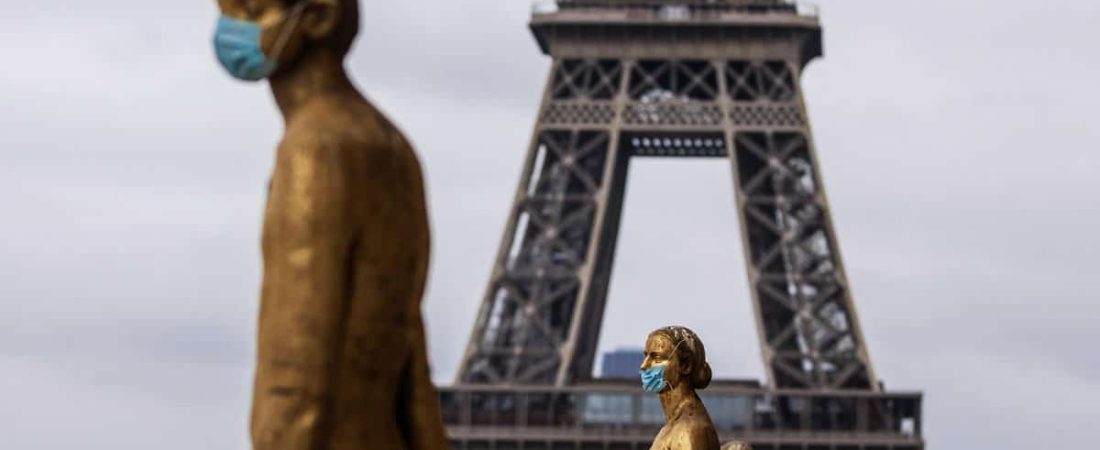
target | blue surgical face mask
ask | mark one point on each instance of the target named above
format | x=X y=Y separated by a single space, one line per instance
x=239 y=49
x=653 y=378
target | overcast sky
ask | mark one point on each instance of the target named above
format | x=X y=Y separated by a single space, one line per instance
x=957 y=141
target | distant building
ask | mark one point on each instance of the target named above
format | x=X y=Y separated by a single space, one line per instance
x=621 y=363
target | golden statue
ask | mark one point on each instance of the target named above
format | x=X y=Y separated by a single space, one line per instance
x=341 y=359
x=675 y=366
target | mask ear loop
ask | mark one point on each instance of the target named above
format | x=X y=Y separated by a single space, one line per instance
x=284 y=36
x=677 y=346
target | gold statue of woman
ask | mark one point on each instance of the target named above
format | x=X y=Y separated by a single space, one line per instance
x=675 y=366
x=341 y=362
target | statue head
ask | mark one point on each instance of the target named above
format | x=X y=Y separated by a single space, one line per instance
x=683 y=355
x=257 y=39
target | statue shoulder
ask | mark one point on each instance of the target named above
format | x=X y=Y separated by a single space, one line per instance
x=348 y=121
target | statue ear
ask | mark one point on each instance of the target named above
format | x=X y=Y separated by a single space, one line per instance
x=320 y=18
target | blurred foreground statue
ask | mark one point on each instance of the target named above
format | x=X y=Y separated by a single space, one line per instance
x=675 y=366
x=341 y=359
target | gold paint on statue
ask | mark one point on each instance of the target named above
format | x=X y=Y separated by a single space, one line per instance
x=341 y=361
x=687 y=423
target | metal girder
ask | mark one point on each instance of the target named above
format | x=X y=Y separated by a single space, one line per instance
x=522 y=333
x=809 y=337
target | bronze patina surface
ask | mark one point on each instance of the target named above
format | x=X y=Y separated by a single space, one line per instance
x=687 y=423
x=341 y=360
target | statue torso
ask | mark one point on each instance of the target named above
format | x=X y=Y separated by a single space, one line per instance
x=345 y=248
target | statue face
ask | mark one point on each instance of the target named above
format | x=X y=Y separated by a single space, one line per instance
x=659 y=350
x=270 y=15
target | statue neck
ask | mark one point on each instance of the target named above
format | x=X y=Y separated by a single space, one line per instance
x=317 y=73
x=675 y=399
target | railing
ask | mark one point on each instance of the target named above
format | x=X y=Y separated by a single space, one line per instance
x=671 y=10
x=621 y=409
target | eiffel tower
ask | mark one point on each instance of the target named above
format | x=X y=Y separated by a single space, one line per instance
x=670 y=79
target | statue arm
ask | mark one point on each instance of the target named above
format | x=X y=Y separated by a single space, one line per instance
x=307 y=244
x=422 y=421
x=421 y=417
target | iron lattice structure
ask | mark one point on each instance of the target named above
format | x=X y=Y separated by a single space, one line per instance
x=673 y=79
